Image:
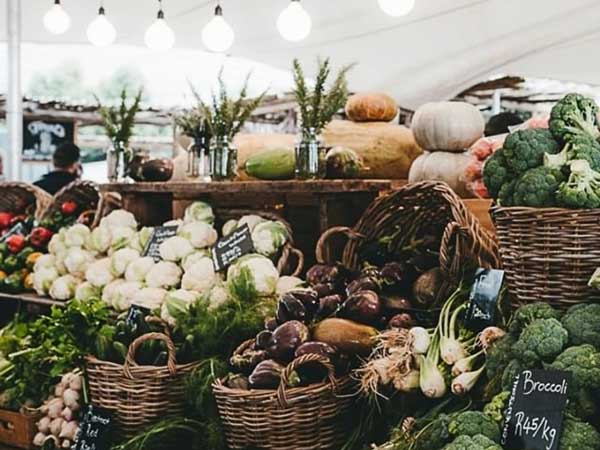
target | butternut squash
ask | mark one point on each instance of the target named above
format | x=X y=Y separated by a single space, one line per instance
x=348 y=336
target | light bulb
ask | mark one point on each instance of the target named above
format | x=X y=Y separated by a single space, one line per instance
x=160 y=36
x=100 y=31
x=397 y=8
x=294 y=23
x=217 y=35
x=56 y=20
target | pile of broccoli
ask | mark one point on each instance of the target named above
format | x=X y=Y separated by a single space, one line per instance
x=555 y=167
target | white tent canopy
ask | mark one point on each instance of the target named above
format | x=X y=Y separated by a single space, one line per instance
x=443 y=47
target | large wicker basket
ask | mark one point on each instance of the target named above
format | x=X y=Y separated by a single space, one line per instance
x=304 y=418
x=290 y=260
x=23 y=198
x=427 y=205
x=549 y=254
x=139 y=395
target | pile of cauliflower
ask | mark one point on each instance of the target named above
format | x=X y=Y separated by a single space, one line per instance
x=60 y=412
x=106 y=262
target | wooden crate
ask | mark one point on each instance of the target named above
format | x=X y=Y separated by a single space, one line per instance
x=311 y=207
x=480 y=208
x=17 y=430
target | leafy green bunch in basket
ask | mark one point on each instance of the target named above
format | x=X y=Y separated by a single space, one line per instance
x=224 y=115
x=118 y=121
x=548 y=168
x=318 y=105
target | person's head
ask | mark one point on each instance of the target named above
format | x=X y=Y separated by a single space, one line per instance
x=66 y=157
x=500 y=123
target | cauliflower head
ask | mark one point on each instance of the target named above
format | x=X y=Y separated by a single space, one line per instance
x=99 y=272
x=164 y=274
x=254 y=270
x=119 y=218
x=77 y=235
x=268 y=237
x=121 y=259
x=138 y=269
x=199 y=212
x=63 y=288
x=199 y=234
x=200 y=277
x=175 y=249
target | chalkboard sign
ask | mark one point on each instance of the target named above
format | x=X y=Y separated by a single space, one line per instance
x=232 y=247
x=42 y=137
x=94 y=430
x=159 y=235
x=483 y=299
x=534 y=416
x=17 y=229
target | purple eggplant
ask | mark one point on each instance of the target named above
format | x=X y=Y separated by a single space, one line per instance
x=271 y=324
x=317 y=348
x=309 y=298
x=403 y=320
x=267 y=375
x=290 y=308
x=363 y=284
x=396 y=303
x=325 y=289
x=248 y=360
x=363 y=307
x=262 y=339
x=322 y=274
x=286 y=339
x=328 y=306
x=392 y=274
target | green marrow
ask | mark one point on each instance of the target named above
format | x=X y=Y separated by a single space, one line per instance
x=276 y=164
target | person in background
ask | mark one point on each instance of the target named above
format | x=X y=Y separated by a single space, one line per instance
x=67 y=168
x=500 y=123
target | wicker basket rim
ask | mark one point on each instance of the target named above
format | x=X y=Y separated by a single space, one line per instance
x=495 y=208
x=261 y=393
x=93 y=360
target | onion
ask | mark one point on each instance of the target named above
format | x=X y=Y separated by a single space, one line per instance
x=490 y=335
x=55 y=407
x=66 y=444
x=463 y=383
x=39 y=439
x=75 y=382
x=44 y=424
x=56 y=426
x=420 y=340
x=67 y=414
x=69 y=430
x=66 y=379
x=59 y=390
x=71 y=397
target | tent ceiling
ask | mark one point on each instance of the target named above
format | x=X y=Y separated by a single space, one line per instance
x=442 y=48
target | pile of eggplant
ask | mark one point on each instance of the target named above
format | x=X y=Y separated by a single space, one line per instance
x=337 y=316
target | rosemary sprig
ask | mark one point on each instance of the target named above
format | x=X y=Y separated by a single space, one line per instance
x=318 y=106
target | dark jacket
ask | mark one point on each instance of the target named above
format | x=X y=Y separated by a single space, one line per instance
x=54 y=181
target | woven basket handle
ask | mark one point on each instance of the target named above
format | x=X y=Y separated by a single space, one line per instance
x=83 y=217
x=135 y=345
x=289 y=250
x=295 y=365
x=321 y=244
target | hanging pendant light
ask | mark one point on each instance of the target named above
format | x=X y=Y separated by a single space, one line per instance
x=160 y=36
x=397 y=8
x=294 y=23
x=217 y=35
x=56 y=20
x=100 y=31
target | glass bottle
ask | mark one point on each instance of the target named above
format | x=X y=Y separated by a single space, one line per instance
x=310 y=155
x=223 y=159
x=117 y=159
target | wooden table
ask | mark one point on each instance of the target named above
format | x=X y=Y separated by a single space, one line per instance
x=310 y=206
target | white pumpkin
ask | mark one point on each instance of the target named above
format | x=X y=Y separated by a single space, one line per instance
x=443 y=166
x=447 y=126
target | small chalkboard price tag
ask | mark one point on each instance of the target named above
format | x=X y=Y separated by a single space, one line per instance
x=232 y=247
x=534 y=416
x=159 y=235
x=94 y=430
x=483 y=299
x=17 y=229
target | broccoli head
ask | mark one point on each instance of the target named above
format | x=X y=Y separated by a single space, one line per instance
x=572 y=116
x=583 y=362
x=495 y=409
x=472 y=423
x=495 y=173
x=499 y=355
x=525 y=149
x=435 y=434
x=537 y=187
x=582 y=189
x=541 y=341
x=583 y=324
x=512 y=369
x=528 y=313
x=505 y=196
x=478 y=442
x=584 y=147
x=579 y=436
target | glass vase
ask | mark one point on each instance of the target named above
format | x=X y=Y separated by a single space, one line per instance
x=117 y=161
x=223 y=159
x=310 y=156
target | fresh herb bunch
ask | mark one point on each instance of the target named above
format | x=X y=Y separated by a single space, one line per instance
x=119 y=121
x=192 y=123
x=319 y=105
x=226 y=116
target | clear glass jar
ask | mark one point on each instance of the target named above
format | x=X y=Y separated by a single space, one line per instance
x=223 y=159
x=310 y=155
x=117 y=160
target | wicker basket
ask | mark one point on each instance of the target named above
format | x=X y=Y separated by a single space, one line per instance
x=305 y=418
x=23 y=198
x=426 y=205
x=138 y=395
x=284 y=262
x=549 y=254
